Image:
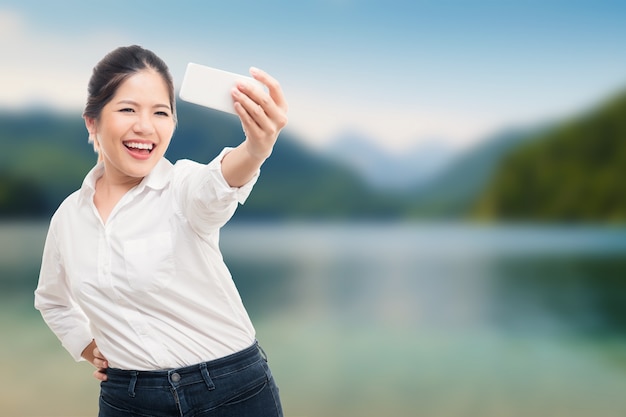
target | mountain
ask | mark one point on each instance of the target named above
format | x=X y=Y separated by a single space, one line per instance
x=294 y=182
x=44 y=157
x=573 y=172
x=452 y=191
x=385 y=171
x=569 y=170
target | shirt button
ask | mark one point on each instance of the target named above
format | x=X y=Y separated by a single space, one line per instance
x=175 y=377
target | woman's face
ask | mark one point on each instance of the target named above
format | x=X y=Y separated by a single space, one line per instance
x=135 y=127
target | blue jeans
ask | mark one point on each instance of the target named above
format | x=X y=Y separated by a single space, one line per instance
x=237 y=385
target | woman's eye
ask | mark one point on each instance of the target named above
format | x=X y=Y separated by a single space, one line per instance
x=127 y=110
x=162 y=113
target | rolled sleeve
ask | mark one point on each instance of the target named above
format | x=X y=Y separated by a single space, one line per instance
x=224 y=191
x=54 y=301
x=76 y=341
x=206 y=199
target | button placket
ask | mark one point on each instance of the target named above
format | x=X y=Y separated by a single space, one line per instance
x=104 y=259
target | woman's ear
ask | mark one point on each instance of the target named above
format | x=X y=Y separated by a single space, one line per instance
x=90 y=124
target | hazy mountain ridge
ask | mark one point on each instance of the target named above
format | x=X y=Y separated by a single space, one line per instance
x=44 y=157
x=48 y=154
x=453 y=192
x=383 y=170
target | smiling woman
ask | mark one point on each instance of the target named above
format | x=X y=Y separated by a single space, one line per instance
x=139 y=117
x=128 y=80
x=139 y=241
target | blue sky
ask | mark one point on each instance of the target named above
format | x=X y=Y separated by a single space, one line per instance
x=397 y=72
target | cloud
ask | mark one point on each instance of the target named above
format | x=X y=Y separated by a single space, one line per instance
x=51 y=67
x=319 y=117
x=10 y=23
x=45 y=68
x=397 y=88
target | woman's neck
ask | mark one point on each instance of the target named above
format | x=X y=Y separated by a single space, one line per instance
x=109 y=191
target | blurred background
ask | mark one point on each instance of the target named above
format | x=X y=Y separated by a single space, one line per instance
x=439 y=231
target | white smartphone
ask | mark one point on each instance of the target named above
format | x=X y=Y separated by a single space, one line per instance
x=211 y=87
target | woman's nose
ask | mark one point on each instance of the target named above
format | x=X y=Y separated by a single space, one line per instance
x=143 y=124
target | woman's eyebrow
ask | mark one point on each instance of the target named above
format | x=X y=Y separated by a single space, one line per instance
x=134 y=103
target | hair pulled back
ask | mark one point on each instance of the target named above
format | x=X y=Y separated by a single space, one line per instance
x=117 y=66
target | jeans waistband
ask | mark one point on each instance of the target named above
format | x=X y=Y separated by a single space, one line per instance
x=189 y=374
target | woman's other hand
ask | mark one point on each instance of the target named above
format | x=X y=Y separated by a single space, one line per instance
x=93 y=355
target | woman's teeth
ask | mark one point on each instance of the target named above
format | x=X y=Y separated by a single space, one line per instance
x=146 y=146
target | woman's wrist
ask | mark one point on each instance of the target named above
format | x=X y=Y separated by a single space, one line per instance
x=87 y=353
x=257 y=155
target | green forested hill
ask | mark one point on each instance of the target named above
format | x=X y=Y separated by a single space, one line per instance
x=44 y=157
x=574 y=172
x=453 y=193
x=571 y=171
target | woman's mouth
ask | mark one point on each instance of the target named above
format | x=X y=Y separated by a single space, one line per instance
x=140 y=150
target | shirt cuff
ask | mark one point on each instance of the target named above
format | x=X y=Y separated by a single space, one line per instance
x=76 y=342
x=222 y=189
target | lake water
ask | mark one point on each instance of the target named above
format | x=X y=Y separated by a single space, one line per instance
x=366 y=320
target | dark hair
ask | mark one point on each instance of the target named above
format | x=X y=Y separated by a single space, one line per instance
x=115 y=68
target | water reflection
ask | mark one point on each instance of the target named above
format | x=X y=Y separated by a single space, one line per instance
x=440 y=320
x=582 y=293
x=436 y=275
x=386 y=319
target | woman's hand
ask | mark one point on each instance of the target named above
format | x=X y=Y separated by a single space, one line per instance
x=263 y=114
x=93 y=355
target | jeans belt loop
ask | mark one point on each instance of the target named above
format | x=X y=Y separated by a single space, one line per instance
x=207 y=378
x=263 y=354
x=131 y=385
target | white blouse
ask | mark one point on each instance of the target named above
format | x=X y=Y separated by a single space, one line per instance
x=150 y=285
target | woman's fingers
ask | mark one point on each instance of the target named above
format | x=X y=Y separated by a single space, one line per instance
x=100 y=362
x=275 y=90
x=263 y=113
x=100 y=375
x=92 y=354
x=261 y=104
x=257 y=103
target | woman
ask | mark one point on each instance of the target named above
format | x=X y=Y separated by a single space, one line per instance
x=132 y=279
